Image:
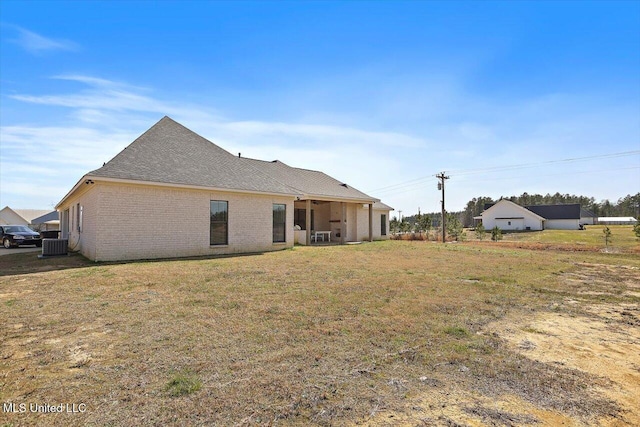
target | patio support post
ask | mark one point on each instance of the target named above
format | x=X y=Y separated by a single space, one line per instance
x=371 y=222
x=343 y=223
x=308 y=221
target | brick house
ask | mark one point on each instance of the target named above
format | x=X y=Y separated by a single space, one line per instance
x=173 y=193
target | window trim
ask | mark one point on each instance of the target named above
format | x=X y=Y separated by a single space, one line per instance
x=217 y=222
x=383 y=224
x=283 y=223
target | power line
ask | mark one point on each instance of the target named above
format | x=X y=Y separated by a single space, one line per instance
x=421 y=186
x=558 y=174
x=464 y=172
x=414 y=186
x=404 y=183
x=530 y=165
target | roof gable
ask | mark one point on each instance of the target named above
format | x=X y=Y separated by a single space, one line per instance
x=511 y=205
x=8 y=217
x=172 y=154
x=21 y=215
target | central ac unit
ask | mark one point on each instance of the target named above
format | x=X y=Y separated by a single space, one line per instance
x=55 y=247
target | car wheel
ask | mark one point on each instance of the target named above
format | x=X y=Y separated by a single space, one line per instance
x=6 y=243
x=39 y=244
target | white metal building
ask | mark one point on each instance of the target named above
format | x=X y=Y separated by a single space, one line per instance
x=617 y=220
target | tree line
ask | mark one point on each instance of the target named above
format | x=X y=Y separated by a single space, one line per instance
x=624 y=206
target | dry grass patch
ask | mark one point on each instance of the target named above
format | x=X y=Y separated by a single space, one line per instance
x=592 y=330
x=309 y=336
x=590 y=239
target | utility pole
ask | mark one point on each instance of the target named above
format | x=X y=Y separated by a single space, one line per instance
x=442 y=177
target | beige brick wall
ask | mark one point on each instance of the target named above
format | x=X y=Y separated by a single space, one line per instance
x=84 y=241
x=322 y=218
x=363 y=223
x=350 y=234
x=144 y=222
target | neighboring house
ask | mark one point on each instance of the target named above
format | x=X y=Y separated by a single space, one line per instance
x=617 y=220
x=173 y=193
x=10 y=216
x=507 y=215
x=47 y=222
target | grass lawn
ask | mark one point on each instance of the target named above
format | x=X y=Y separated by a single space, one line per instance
x=384 y=333
x=623 y=237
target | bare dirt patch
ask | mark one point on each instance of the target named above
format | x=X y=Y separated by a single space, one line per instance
x=576 y=363
x=591 y=335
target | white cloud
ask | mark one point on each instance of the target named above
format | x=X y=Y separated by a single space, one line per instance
x=107 y=115
x=90 y=80
x=37 y=44
x=64 y=152
x=101 y=98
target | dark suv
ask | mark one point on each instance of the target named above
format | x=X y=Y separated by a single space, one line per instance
x=16 y=235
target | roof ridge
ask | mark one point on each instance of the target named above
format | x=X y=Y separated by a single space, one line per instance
x=264 y=161
x=258 y=171
x=133 y=142
x=557 y=204
x=296 y=185
x=172 y=122
x=288 y=165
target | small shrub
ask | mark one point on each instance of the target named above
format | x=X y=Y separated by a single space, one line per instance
x=183 y=383
x=480 y=232
x=636 y=230
x=454 y=227
x=496 y=234
x=607 y=236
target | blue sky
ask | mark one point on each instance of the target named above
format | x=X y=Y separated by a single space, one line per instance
x=506 y=97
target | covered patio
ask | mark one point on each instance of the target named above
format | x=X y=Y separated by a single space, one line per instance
x=322 y=222
x=327 y=210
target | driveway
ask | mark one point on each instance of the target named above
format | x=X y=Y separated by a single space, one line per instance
x=20 y=250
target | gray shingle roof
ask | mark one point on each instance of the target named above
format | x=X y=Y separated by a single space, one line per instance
x=170 y=153
x=312 y=184
x=380 y=205
x=51 y=216
x=571 y=211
